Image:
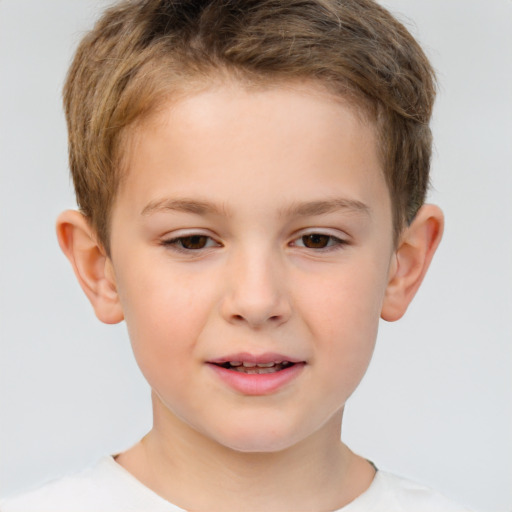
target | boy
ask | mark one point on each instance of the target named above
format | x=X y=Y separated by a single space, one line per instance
x=251 y=178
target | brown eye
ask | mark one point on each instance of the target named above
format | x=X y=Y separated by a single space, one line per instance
x=316 y=241
x=193 y=242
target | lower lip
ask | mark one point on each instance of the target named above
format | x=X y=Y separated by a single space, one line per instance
x=255 y=384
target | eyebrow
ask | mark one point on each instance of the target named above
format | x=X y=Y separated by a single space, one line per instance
x=183 y=205
x=301 y=209
x=312 y=208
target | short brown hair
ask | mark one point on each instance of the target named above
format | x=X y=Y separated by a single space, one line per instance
x=140 y=51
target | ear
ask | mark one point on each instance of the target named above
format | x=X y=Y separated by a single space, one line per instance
x=93 y=268
x=412 y=258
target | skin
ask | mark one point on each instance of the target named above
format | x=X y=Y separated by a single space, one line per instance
x=292 y=253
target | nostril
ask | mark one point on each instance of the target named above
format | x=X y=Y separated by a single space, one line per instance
x=255 y=310
x=242 y=318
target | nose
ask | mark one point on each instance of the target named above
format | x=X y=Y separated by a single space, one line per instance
x=256 y=292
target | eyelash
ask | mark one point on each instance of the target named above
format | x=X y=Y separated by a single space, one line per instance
x=332 y=243
x=177 y=243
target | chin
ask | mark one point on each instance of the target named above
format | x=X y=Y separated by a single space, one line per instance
x=260 y=439
x=259 y=445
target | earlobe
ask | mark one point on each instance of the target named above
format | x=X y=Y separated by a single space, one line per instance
x=92 y=267
x=411 y=261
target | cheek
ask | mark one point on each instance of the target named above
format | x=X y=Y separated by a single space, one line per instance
x=164 y=315
x=346 y=300
x=343 y=316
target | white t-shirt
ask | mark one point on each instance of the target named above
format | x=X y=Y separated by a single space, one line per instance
x=108 y=487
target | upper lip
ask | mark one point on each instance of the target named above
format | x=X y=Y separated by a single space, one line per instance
x=245 y=357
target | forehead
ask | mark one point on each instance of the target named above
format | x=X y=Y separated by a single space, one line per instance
x=293 y=138
x=221 y=94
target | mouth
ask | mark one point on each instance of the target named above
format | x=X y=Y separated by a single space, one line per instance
x=251 y=368
x=257 y=375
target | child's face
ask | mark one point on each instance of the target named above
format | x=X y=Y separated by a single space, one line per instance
x=253 y=226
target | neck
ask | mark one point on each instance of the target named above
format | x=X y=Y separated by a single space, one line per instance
x=197 y=473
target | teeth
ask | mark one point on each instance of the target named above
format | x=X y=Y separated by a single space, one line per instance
x=249 y=367
x=252 y=365
x=255 y=369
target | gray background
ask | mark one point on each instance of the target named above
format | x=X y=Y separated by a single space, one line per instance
x=436 y=404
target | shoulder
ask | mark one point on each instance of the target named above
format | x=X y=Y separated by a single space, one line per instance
x=409 y=494
x=391 y=492
x=101 y=488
